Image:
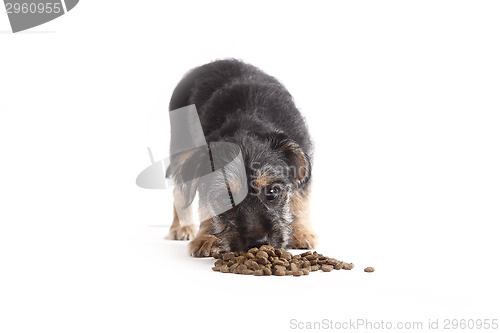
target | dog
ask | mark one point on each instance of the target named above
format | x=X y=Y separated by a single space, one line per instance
x=240 y=104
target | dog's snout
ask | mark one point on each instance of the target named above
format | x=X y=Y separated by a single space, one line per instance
x=258 y=242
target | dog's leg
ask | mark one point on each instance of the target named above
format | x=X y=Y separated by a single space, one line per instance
x=183 y=227
x=303 y=237
x=204 y=244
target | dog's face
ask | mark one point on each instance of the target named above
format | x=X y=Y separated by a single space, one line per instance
x=276 y=168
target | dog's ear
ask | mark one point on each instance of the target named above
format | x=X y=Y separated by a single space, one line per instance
x=186 y=169
x=298 y=160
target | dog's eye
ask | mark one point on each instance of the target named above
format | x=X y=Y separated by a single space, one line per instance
x=272 y=192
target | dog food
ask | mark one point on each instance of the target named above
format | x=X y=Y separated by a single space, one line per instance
x=369 y=269
x=267 y=260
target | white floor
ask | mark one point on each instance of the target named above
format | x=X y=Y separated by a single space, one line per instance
x=399 y=291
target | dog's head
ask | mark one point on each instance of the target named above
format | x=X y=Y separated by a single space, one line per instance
x=276 y=169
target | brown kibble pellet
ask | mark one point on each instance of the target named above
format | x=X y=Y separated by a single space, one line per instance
x=270 y=253
x=240 y=259
x=278 y=262
x=253 y=265
x=326 y=268
x=348 y=266
x=266 y=260
x=286 y=256
x=240 y=269
x=279 y=252
x=250 y=255
x=262 y=261
x=266 y=247
x=280 y=268
x=258 y=272
x=253 y=250
x=261 y=254
x=332 y=261
x=369 y=269
x=315 y=268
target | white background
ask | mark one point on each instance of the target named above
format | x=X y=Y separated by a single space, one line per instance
x=402 y=101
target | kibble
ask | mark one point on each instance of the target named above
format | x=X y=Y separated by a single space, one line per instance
x=266 y=260
x=369 y=269
x=261 y=254
x=348 y=266
x=326 y=268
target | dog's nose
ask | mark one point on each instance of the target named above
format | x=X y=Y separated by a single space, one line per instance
x=258 y=242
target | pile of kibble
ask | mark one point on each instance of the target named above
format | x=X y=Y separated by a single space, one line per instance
x=267 y=260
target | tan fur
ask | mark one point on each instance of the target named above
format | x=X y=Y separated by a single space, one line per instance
x=262 y=180
x=302 y=169
x=182 y=157
x=235 y=185
x=183 y=227
x=204 y=244
x=303 y=236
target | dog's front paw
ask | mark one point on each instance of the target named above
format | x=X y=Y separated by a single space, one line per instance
x=204 y=246
x=304 y=240
x=185 y=232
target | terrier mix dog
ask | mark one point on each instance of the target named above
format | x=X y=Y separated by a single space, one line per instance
x=240 y=104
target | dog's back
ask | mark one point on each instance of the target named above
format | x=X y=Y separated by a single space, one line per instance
x=231 y=94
